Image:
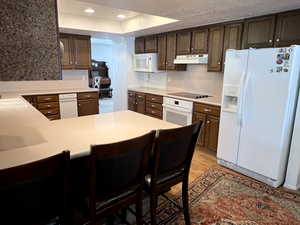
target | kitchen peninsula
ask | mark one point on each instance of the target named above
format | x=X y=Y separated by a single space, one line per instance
x=27 y=135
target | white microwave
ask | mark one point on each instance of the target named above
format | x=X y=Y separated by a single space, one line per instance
x=145 y=63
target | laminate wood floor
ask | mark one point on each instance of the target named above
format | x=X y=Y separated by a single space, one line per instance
x=202 y=161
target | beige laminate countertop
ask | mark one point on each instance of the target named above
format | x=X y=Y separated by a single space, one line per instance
x=45 y=92
x=214 y=100
x=26 y=135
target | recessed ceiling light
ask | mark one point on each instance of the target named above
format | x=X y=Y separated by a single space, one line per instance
x=89 y=10
x=121 y=16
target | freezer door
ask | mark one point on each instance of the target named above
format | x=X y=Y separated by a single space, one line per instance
x=267 y=114
x=229 y=131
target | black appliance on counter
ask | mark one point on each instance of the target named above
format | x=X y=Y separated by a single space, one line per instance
x=98 y=78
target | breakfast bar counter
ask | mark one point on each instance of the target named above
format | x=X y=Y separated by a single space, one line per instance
x=26 y=135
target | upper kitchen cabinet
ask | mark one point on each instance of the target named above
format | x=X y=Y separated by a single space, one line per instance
x=232 y=37
x=67 y=56
x=76 y=51
x=150 y=44
x=287 y=29
x=171 y=53
x=139 y=45
x=215 y=49
x=199 y=41
x=162 y=51
x=259 y=32
x=184 y=42
x=82 y=52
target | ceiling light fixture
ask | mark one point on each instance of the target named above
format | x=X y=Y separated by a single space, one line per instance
x=121 y=16
x=89 y=10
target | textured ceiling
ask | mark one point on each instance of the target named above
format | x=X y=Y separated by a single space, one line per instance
x=198 y=12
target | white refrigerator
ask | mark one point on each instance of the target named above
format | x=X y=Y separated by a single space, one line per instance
x=260 y=91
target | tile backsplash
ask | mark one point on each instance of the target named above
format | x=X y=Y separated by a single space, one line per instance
x=194 y=79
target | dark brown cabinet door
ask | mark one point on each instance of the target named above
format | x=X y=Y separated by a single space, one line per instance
x=288 y=29
x=139 y=45
x=140 y=103
x=162 y=52
x=232 y=37
x=171 y=53
x=82 y=51
x=215 y=48
x=88 y=107
x=212 y=132
x=67 y=59
x=184 y=43
x=151 y=44
x=259 y=32
x=199 y=41
x=201 y=117
x=131 y=104
x=131 y=101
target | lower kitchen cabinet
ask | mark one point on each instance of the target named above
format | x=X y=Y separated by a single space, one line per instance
x=88 y=107
x=202 y=117
x=210 y=116
x=147 y=104
x=212 y=132
x=88 y=103
x=140 y=103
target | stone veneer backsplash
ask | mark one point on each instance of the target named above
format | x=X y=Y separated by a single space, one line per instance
x=29 y=47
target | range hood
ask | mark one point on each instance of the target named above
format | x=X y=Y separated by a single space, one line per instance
x=191 y=59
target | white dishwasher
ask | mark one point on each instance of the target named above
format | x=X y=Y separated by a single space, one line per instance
x=68 y=105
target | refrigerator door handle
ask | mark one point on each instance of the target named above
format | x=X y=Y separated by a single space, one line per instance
x=241 y=98
x=245 y=88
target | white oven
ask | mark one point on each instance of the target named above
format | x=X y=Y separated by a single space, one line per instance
x=177 y=111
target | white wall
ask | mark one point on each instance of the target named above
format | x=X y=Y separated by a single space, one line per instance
x=75 y=75
x=117 y=52
x=194 y=79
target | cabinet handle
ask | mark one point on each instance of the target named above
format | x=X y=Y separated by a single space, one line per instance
x=192 y=48
x=152 y=106
x=48 y=106
x=152 y=99
x=207 y=110
x=79 y=105
x=208 y=122
x=270 y=41
x=219 y=63
x=277 y=39
x=152 y=112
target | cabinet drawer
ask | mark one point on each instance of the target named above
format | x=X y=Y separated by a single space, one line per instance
x=88 y=95
x=47 y=112
x=47 y=98
x=140 y=96
x=154 y=112
x=48 y=105
x=131 y=94
x=155 y=98
x=152 y=105
x=207 y=109
x=54 y=117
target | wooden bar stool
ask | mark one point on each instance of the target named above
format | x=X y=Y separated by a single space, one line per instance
x=36 y=193
x=170 y=165
x=117 y=176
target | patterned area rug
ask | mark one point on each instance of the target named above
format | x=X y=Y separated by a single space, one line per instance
x=221 y=198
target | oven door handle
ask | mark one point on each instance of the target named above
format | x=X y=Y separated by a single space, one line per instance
x=177 y=109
